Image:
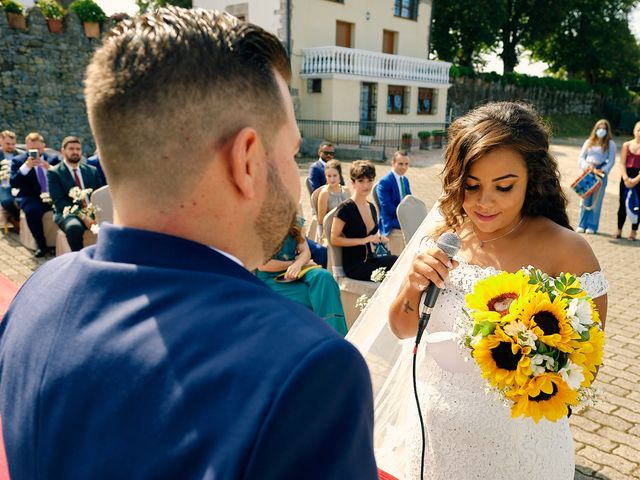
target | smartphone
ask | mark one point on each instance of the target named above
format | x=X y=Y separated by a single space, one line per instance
x=33 y=153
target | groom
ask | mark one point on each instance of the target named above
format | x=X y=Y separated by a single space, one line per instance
x=156 y=353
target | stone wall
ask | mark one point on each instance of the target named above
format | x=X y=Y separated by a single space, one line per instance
x=41 y=79
x=467 y=93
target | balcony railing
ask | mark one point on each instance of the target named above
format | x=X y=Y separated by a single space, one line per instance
x=343 y=62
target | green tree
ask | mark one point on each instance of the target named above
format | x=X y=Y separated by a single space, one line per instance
x=144 y=5
x=462 y=30
x=527 y=22
x=594 y=43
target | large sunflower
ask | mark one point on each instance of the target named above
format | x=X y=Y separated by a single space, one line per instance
x=546 y=396
x=492 y=298
x=588 y=354
x=547 y=320
x=502 y=361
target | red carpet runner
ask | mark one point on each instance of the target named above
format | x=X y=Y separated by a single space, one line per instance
x=8 y=290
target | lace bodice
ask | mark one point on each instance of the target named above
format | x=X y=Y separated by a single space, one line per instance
x=470 y=433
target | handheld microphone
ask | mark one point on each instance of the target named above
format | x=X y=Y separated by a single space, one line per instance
x=449 y=243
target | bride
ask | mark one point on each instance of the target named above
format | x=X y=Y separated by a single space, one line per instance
x=502 y=196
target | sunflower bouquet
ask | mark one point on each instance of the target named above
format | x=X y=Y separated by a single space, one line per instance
x=537 y=339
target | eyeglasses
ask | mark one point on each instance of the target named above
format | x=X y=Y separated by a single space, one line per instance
x=331 y=154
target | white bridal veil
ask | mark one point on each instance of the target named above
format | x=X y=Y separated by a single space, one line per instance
x=389 y=358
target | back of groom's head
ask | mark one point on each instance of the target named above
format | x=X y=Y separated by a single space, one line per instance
x=167 y=85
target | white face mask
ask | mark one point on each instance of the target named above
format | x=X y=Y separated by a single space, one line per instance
x=601 y=132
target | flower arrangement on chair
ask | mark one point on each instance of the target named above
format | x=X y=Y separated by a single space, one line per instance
x=82 y=207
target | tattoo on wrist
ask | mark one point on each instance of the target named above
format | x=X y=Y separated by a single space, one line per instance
x=406 y=308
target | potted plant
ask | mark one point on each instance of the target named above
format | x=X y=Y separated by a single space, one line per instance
x=53 y=12
x=14 y=14
x=406 y=141
x=425 y=137
x=90 y=14
x=437 y=138
x=365 y=137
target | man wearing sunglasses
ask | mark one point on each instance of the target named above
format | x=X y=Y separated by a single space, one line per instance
x=326 y=152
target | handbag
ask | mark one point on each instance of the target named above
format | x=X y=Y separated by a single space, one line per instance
x=380 y=250
x=587 y=183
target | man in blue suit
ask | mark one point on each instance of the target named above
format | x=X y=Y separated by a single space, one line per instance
x=94 y=161
x=61 y=179
x=156 y=354
x=391 y=189
x=317 y=178
x=29 y=175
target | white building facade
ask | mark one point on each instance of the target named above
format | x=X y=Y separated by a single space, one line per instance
x=355 y=60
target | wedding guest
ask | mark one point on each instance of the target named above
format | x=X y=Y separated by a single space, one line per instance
x=157 y=353
x=94 y=161
x=7 y=200
x=316 y=289
x=629 y=181
x=29 y=175
x=317 y=178
x=333 y=193
x=598 y=154
x=391 y=189
x=61 y=179
x=355 y=227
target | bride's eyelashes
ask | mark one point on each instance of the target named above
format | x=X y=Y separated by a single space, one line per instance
x=500 y=189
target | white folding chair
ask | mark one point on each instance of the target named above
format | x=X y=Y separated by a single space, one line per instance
x=101 y=198
x=411 y=212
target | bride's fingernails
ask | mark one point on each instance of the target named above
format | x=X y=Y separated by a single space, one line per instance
x=449 y=264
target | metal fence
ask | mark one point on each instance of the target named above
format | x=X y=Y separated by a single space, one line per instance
x=378 y=135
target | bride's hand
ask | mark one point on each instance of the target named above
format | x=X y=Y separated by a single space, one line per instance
x=431 y=266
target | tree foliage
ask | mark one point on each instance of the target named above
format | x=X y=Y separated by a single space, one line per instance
x=462 y=30
x=145 y=5
x=581 y=39
x=525 y=22
x=594 y=43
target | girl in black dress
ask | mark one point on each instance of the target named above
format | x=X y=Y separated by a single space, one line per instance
x=355 y=227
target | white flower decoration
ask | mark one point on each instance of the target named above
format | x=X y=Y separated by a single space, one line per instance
x=580 y=315
x=572 y=374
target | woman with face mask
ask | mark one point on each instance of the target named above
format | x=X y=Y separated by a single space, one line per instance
x=599 y=154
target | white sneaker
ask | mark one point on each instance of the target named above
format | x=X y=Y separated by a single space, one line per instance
x=590 y=231
x=580 y=230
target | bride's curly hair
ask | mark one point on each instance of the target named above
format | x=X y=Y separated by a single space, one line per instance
x=499 y=125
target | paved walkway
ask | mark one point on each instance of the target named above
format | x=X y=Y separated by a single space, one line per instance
x=607 y=437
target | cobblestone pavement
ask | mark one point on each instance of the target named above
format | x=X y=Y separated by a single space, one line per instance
x=607 y=436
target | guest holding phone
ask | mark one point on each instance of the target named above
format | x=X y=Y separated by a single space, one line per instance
x=29 y=175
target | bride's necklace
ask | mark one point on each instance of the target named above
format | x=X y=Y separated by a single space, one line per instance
x=482 y=242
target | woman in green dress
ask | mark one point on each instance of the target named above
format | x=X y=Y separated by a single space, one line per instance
x=315 y=288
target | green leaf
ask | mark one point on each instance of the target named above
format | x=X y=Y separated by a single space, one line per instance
x=562 y=360
x=584 y=336
x=573 y=291
x=485 y=328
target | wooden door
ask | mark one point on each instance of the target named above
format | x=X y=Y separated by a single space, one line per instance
x=343 y=34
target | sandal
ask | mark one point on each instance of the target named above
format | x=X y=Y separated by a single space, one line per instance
x=618 y=234
x=633 y=237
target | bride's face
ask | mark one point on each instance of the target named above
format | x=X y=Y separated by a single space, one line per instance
x=495 y=191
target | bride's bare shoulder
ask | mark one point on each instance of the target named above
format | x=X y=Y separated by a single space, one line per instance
x=566 y=250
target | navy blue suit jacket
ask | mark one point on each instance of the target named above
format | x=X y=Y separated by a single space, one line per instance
x=28 y=184
x=94 y=161
x=148 y=356
x=316 y=174
x=389 y=198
